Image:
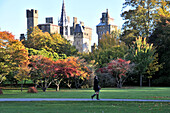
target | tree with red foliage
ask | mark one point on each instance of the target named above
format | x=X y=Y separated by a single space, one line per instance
x=68 y=70
x=119 y=69
x=41 y=72
x=46 y=71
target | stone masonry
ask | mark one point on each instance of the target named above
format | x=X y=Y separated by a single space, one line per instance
x=79 y=35
x=105 y=25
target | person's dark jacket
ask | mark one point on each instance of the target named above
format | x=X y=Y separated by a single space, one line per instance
x=96 y=86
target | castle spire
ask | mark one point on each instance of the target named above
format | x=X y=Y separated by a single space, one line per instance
x=63 y=20
x=107 y=12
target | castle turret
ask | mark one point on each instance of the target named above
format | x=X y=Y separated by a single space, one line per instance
x=105 y=25
x=32 y=18
x=49 y=20
x=22 y=37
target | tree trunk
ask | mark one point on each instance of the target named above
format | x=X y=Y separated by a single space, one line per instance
x=44 y=89
x=11 y=84
x=69 y=85
x=24 y=81
x=120 y=83
x=149 y=82
x=21 y=87
x=140 y=80
x=36 y=85
x=76 y=83
x=117 y=82
x=57 y=87
x=16 y=82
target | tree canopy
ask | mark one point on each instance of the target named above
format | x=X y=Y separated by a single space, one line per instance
x=12 y=54
x=142 y=54
x=37 y=39
x=141 y=18
x=110 y=47
x=161 y=39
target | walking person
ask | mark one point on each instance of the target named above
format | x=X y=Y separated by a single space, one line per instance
x=96 y=88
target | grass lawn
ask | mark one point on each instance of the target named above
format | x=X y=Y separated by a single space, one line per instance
x=84 y=107
x=89 y=106
x=157 y=93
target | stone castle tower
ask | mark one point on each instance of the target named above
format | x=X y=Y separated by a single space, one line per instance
x=82 y=37
x=105 y=25
x=32 y=18
x=79 y=35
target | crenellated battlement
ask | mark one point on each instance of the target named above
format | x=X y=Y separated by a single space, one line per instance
x=32 y=18
x=31 y=13
x=78 y=34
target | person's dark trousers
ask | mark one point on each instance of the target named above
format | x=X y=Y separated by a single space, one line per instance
x=93 y=96
x=97 y=97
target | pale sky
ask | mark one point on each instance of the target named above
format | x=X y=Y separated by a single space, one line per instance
x=13 y=13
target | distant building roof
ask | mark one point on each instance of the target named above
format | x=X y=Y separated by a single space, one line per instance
x=101 y=24
x=79 y=28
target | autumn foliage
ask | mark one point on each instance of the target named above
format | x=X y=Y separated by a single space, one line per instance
x=46 y=71
x=117 y=68
x=12 y=54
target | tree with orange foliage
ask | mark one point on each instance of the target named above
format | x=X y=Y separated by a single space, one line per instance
x=12 y=54
x=23 y=73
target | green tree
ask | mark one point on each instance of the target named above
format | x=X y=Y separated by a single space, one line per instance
x=141 y=53
x=141 y=18
x=153 y=68
x=109 y=48
x=53 y=55
x=36 y=39
x=161 y=39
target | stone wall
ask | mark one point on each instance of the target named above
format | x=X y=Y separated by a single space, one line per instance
x=32 y=18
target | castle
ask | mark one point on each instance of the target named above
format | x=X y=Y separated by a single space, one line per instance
x=78 y=34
